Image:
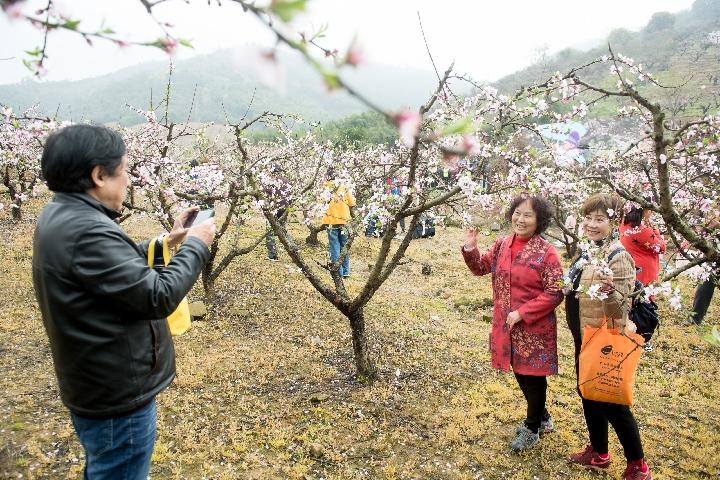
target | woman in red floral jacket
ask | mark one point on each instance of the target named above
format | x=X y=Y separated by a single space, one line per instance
x=526 y=275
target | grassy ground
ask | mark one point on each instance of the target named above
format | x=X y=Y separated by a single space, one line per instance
x=265 y=385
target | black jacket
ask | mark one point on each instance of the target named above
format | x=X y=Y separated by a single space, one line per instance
x=104 y=309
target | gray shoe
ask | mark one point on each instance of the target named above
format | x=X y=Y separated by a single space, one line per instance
x=546 y=426
x=525 y=439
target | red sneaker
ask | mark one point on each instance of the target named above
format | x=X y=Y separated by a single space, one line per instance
x=589 y=458
x=637 y=470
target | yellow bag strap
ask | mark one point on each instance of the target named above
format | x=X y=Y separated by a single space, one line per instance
x=165 y=248
x=151 y=253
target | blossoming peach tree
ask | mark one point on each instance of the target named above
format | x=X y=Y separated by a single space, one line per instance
x=21 y=141
x=173 y=166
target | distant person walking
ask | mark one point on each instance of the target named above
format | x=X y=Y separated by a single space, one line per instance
x=395 y=189
x=339 y=212
x=279 y=192
x=526 y=275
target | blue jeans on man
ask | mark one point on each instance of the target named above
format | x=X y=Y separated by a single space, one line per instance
x=282 y=216
x=118 y=448
x=337 y=238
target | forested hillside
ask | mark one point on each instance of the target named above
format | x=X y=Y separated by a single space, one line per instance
x=219 y=83
x=680 y=49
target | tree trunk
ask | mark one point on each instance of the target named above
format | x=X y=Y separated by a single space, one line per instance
x=208 y=282
x=363 y=364
x=312 y=239
x=571 y=249
x=16 y=213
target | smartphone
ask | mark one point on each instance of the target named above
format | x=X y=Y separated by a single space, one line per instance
x=198 y=216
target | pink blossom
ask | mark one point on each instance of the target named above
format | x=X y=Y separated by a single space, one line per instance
x=264 y=65
x=470 y=145
x=13 y=10
x=355 y=55
x=571 y=222
x=40 y=70
x=408 y=124
x=450 y=160
x=169 y=45
x=676 y=300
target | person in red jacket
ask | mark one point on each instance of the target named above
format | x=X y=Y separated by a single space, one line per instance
x=643 y=242
x=526 y=275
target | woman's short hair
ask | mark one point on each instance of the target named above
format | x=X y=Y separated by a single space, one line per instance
x=610 y=205
x=541 y=207
x=71 y=153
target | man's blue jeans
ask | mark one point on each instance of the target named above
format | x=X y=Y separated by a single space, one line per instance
x=337 y=238
x=282 y=217
x=118 y=448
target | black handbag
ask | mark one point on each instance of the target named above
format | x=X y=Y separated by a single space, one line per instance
x=644 y=315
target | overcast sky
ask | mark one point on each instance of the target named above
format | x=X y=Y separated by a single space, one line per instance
x=486 y=39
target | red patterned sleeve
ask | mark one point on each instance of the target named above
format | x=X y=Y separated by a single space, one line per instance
x=481 y=264
x=541 y=306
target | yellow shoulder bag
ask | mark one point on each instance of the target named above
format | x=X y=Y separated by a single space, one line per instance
x=179 y=320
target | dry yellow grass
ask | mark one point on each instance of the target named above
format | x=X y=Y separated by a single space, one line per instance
x=265 y=386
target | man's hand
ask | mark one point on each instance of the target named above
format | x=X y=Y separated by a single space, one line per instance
x=205 y=231
x=513 y=318
x=178 y=233
x=470 y=239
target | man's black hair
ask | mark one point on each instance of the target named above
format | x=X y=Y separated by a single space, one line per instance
x=72 y=152
x=541 y=207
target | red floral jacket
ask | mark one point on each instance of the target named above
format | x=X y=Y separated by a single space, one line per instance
x=530 y=284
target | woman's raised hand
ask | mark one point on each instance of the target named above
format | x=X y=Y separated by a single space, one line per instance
x=470 y=239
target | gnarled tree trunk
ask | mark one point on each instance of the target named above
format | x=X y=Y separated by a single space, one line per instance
x=363 y=364
x=312 y=238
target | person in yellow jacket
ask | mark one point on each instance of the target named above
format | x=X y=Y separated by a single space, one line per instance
x=336 y=219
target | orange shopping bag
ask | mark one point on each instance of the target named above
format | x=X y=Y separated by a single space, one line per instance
x=607 y=364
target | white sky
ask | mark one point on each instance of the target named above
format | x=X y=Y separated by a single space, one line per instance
x=486 y=39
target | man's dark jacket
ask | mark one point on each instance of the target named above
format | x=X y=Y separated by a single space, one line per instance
x=104 y=310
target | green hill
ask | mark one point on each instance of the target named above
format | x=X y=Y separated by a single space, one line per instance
x=681 y=50
x=220 y=81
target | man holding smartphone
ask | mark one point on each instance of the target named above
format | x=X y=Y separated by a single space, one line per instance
x=103 y=308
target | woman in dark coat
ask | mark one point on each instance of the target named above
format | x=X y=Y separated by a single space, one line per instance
x=526 y=275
